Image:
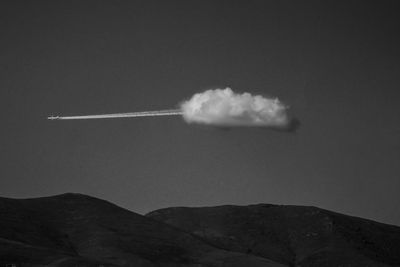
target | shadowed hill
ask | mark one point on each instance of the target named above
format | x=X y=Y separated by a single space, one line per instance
x=78 y=230
x=292 y=235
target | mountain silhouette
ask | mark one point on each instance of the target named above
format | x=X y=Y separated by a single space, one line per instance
x=291 y=235
x=79 y=230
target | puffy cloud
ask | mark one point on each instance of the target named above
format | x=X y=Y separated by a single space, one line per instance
x=223 y=107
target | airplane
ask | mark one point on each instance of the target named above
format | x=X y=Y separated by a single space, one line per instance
x=52 y=117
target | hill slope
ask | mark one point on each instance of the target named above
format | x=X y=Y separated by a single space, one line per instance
x=292 y=235
x=78 y=230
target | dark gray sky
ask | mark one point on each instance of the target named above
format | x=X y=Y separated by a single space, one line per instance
x=336 y=63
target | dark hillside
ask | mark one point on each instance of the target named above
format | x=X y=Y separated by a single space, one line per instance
x=74 y=229
x=78 y=230
x=293 y=235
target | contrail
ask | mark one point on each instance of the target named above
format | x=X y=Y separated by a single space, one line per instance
x=220 y=108
x=166 y=112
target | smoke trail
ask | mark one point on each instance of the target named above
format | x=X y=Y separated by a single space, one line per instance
x=167 y=112
x=223 y=107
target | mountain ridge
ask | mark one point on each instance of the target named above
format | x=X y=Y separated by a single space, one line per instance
x=270 y=204
x=304 y=226
x=79 y=230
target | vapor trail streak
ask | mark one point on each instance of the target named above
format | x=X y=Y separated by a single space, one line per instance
x=167 y=112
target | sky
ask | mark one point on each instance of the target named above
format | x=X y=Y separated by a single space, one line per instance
x=335 y=63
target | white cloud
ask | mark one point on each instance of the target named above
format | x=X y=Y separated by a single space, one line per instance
x=223 y=107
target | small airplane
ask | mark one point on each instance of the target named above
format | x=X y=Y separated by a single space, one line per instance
x=52 y=117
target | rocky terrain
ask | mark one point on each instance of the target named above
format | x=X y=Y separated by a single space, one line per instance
x=78 y=230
